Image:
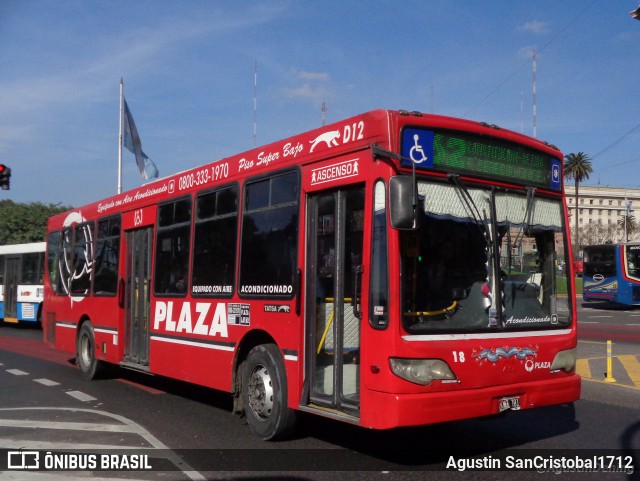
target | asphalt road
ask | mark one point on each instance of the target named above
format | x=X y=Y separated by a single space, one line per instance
x=45 y=404
x=603 y=321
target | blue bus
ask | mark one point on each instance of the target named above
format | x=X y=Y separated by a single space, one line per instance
x=21 y=277
x=611 y=272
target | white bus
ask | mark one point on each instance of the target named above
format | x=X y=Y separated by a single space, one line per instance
x=21 y=289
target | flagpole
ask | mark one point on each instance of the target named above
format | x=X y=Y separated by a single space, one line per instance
x=120 y=141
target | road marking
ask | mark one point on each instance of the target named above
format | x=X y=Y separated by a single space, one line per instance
x=629 y=365
x=61 y=446
x=596 y=317
x=17 y=372
x=47 y=382
x=626 y=386
x=80 y=396
x=632 y=366
x=132 y=427
x=582 y=368
x=588 y=322
x=72 y=426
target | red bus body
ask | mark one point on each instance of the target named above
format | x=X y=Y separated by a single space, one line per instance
x=206 y=334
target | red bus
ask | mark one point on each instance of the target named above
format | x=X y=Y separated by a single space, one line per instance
x=393 y=269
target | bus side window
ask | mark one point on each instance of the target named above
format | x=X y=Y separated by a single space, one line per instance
x=379 y=312
x=107 y=257
x=80 y=281
x=172 y=247
x=31 y=264
x=214 y=244
x=270 y=236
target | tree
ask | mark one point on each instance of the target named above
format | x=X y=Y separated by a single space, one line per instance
x=598 y=233
x=22 y=223
x=577 y=167
x=632 y=225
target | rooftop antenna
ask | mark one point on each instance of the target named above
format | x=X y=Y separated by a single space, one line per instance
x=119 y=187
x=521 y=112
x=255 y=101
x=534 y=93
x=324 y=113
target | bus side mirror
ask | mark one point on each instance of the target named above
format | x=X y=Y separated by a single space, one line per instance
x=403 y=201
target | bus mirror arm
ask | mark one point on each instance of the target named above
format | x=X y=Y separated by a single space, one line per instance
x=403 y=193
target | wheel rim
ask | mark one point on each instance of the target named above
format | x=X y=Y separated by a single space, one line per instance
x=260 y=393
x=85 y=353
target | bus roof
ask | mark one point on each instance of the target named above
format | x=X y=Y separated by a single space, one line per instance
x=23 y=248
x=381 y=127
x=613 y=244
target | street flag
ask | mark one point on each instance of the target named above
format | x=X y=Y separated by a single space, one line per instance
x=148 y=169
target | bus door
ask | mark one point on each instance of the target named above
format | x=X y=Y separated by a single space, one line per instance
x=137 y=292
x=334 y=274
x=11 y=280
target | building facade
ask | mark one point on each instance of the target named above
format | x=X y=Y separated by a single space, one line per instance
x=601 y=213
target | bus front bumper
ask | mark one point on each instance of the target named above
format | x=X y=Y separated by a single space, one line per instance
x=388 y=410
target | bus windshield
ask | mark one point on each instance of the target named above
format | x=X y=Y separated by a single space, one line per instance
x=600 y=260
x=472 y=243
x=633 y=261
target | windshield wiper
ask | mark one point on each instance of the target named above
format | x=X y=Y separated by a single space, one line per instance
x=528 y=214
x=492 y=248
x=471 y=206
x=495 y=312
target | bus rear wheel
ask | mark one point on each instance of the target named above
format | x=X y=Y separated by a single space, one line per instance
x=264 y=391
x=90 y=367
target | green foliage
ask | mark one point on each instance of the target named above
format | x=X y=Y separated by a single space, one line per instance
x=577 y=167
x=22 y=223
x=562 y=289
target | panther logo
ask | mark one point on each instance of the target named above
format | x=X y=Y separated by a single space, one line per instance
x=330 y=138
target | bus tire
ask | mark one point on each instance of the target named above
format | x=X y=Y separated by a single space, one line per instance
x=264 y=392
x=90 y=367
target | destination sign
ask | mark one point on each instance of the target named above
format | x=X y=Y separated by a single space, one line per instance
x=480 y=156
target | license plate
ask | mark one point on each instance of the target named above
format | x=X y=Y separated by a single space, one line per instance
x=509 y=403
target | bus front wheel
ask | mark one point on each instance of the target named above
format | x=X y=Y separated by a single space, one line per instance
x=86 y=352
x=264 y=389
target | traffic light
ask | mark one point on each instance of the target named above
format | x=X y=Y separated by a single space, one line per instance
x=5 y=177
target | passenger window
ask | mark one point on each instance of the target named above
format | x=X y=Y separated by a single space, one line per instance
x=172 y=248
x=82 y=259
x=105 y=282
x=270 y=237
x=214 y=245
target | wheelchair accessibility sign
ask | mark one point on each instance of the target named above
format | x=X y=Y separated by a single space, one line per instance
x=417 y=148
x=556 y=180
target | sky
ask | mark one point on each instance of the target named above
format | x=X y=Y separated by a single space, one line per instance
x=199 y=76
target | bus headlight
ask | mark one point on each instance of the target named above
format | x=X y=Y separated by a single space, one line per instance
x=565 y=360
x=421 y=371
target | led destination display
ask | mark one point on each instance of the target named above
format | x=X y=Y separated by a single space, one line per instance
x=480 y=156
